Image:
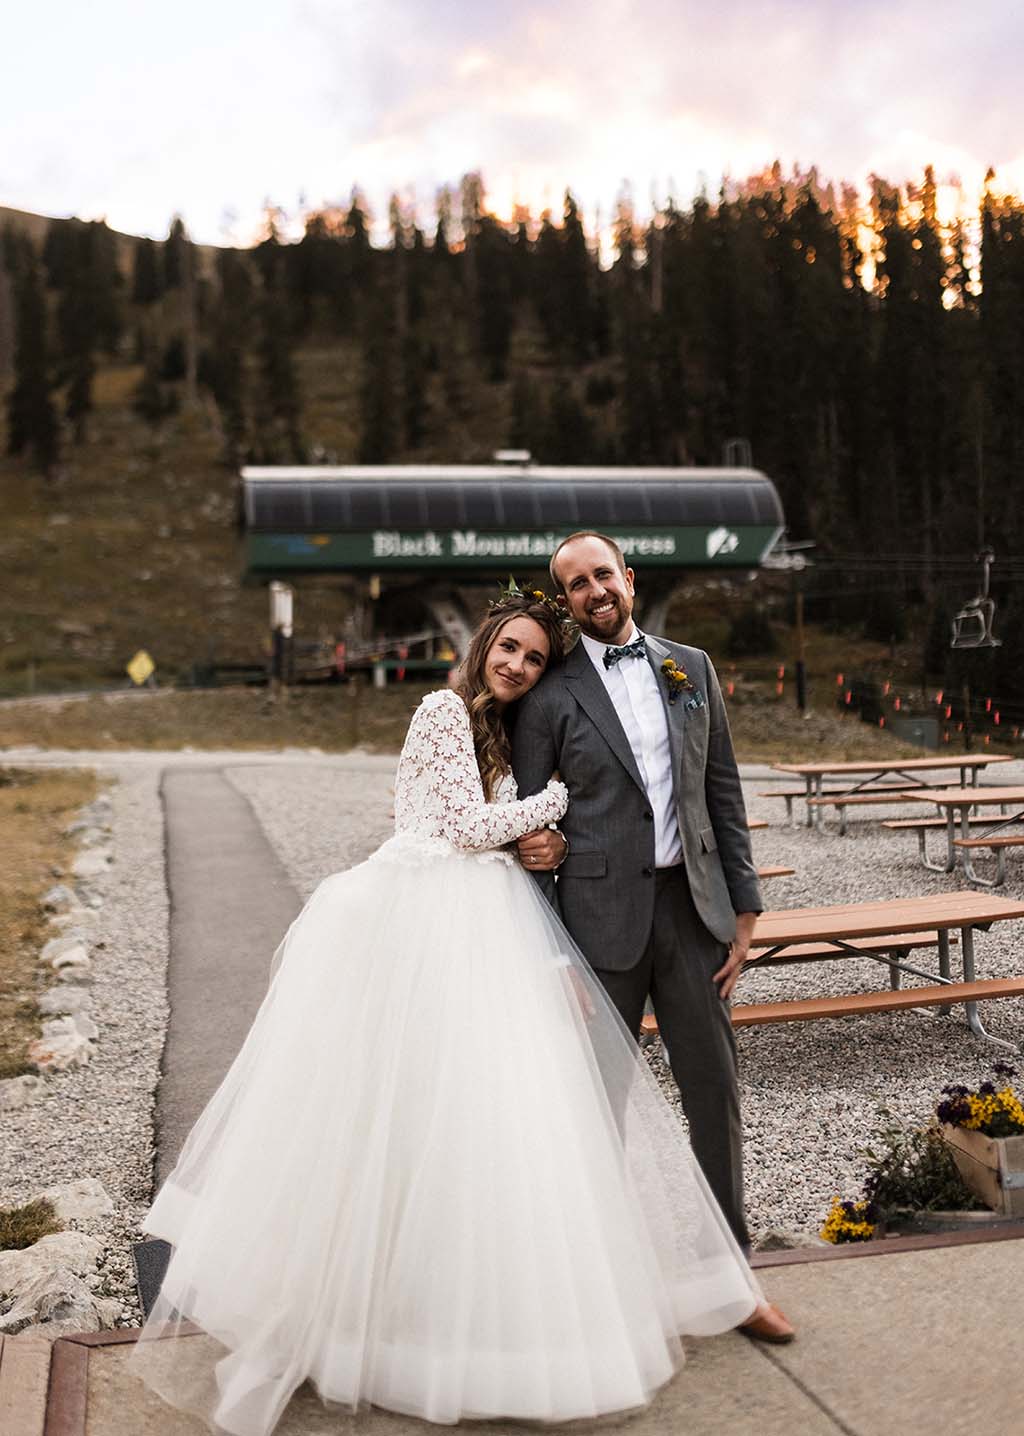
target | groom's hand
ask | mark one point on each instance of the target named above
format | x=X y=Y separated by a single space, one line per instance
x=739 y=950
x=542 y=851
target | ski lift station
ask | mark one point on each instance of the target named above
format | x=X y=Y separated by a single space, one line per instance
x=421 y=547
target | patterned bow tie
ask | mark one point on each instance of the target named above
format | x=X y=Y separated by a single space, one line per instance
x=636 y=649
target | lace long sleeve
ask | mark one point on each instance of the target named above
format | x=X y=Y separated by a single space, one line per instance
x=439 y=787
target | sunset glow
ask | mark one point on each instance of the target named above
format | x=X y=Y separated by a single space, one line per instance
x=295 y=103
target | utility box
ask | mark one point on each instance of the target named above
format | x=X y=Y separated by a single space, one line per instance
x=924 y=732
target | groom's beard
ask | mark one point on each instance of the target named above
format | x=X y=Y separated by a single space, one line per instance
x=608 y=625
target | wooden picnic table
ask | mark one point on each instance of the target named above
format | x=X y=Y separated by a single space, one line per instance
x=957 y=805
x=871 y=771
x=842 y=926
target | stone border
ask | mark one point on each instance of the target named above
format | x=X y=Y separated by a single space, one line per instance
x=926 y=1241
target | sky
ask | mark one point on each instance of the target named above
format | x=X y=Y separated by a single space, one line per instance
x=134 y=111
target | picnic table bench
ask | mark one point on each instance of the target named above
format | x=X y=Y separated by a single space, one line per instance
x=923 y=826
x=955 y=804
x=875 y=775
x=887 y=932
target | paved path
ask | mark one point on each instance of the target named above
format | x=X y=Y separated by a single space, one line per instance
x=231 y=903
x=899 y=1344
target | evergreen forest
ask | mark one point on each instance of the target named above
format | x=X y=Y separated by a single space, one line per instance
x=868 y=351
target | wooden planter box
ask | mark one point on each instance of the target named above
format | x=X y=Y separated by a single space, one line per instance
x=993 y=1167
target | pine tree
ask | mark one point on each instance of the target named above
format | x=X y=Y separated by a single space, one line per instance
x=32 y=424
x=378 y=439
x=414 y=390
x=526 y=425
x=146 y=285
x=81 y=264
x=174 y=247
x=278 y=405
x=493 y=296
x=225 y=369
x=149 y=400
x=575 y=286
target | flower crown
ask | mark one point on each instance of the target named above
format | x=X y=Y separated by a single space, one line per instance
x=537 y=595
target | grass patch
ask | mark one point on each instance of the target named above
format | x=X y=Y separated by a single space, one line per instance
x=34 y=810
x=335 y=718
x=766 y=729
x=338 y=718
x=21 y=1226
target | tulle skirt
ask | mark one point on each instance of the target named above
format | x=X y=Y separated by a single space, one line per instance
x=438 y=1178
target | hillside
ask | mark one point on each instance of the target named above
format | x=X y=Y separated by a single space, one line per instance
x=120 y=528
x=134 y=543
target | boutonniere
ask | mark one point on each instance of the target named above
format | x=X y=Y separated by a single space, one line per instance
x=677 y=679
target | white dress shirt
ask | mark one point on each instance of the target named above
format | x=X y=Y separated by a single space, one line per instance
x=633 y=689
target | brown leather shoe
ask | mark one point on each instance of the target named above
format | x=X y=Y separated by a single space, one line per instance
x=768 y=1324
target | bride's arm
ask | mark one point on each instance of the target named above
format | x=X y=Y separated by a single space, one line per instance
x=440 y=748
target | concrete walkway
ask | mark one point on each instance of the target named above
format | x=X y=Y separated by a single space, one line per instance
x=898 y=1344
x=231 y=903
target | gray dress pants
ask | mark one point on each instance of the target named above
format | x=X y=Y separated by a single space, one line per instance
x=676 y=972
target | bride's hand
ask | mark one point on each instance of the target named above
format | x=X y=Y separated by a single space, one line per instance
x=583 y=997
x=542 y=851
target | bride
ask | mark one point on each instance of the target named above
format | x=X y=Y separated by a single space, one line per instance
x=439 y=1177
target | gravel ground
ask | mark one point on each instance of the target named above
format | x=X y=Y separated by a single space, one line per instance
x=97 y=1120
x=810 y=1091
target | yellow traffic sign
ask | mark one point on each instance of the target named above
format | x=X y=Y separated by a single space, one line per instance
x=141 y=667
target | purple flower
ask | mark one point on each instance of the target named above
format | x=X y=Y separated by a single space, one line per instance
x=955 y=1111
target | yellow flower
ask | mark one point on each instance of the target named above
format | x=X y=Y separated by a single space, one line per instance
x=847 y=1222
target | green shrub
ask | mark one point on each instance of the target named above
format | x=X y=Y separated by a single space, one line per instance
x=912 y=1169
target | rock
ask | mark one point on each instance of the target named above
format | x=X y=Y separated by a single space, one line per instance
x=75 y=956
x=87 y=832
x=80 y=974
x=85 y=1026
x=99 y=811
x=77 y=1201
x=59 y=1027
x=75 y=1252
x=21 y=1091
x=58 y=945
x=95 y=901
x=109 y=1310
x=57 y=1303
x=59 y=899
x=63 y=999
x=777 y=1239
x=59 y=1049
x=62 y=920
x=92 y=864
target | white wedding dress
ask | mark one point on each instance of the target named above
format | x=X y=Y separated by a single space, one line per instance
x=439 y=1177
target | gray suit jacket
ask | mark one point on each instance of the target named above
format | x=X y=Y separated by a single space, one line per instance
x=605 y=887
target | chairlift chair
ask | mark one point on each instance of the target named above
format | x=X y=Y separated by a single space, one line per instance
x=972 y=626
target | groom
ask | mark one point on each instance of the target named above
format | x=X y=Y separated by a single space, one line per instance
x=655 y=879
